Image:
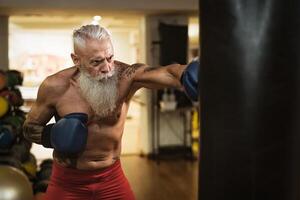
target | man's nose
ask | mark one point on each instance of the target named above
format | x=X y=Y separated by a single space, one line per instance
x=106 y=68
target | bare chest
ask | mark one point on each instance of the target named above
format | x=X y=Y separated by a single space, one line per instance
x=72 y=101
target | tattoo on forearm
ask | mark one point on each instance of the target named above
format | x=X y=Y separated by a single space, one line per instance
x=33 y=132
x=132 y=69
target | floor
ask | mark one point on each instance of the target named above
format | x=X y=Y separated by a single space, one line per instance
x=168 y=180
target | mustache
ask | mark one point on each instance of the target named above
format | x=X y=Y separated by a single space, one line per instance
x=100 y=77
x=106 y=76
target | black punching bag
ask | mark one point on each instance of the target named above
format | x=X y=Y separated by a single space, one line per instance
x=250 y=100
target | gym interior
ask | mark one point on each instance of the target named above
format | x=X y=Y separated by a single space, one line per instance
x=161 y=130
x=238 y=141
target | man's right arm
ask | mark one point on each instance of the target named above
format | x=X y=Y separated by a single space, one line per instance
x=40 y=113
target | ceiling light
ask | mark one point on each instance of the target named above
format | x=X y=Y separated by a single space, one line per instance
x=97 y=18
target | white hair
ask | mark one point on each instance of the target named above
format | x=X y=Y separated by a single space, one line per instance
x=87 y=32
x=100 y=94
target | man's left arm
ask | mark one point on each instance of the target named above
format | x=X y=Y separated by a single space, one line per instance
x=174 y=75
x=158 y=77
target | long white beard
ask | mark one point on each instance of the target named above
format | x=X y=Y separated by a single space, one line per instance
x=100 y=92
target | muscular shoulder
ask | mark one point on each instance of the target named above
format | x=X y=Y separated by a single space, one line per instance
x=56 y=84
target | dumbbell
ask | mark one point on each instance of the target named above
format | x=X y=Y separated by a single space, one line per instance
x=10 y=79
x=46 y=163
x=40 y=186
x=14 y=120
x=30 y=167
x=21 y=150
x=7 y=136
x=20 y=113
x=2 y=79
x=4 y=106
x=45 y=170
x=43 y=176
x=13 y=96
x=13 y=78
x=10 y=161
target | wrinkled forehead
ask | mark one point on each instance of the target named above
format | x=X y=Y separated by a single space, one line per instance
x=96 y=48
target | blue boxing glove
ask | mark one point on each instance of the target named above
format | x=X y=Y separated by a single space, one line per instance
x=189 y=79
x=68 y=135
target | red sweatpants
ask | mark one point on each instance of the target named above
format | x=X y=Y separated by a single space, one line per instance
x=73 y=184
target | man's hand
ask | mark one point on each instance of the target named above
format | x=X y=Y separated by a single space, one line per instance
x=33 y=132
x=68 y=135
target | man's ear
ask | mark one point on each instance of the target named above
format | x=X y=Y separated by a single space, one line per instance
x=75 y=59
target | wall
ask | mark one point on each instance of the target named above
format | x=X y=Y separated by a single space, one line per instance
x=170 y=124
x=3 y=42
x=36 y=6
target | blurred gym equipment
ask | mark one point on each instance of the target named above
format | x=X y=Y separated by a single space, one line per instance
x=249 y=97
x=14 y=184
